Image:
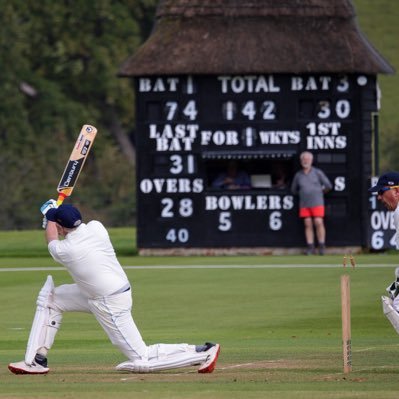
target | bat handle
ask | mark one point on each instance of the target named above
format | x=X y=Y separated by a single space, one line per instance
x=60 y=198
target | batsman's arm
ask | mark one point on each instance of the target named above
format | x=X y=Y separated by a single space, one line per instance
x=51 y=232
x=49 y=210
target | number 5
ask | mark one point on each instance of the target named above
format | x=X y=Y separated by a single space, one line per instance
x=224 y=221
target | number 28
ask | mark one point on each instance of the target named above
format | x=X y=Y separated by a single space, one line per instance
x=185 y=207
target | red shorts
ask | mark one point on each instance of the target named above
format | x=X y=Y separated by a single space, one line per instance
x=315 y=212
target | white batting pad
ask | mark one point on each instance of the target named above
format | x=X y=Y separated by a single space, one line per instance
x=391 y=314
x=171 y=362
x=38 y=331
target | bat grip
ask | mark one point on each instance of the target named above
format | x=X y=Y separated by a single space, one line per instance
x=60 y=198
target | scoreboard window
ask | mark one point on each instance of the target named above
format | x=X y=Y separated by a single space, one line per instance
x=263 y=173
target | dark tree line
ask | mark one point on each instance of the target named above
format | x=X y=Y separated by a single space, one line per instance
x=58 y=70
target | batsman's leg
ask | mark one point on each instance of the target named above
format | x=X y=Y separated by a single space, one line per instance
x=51 y=303
x=114 y=315
x=46 y=323
x=171 y=356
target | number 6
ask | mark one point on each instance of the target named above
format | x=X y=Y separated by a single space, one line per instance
x=275 y=222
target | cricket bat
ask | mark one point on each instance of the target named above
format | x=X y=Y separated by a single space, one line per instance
x=76 y=161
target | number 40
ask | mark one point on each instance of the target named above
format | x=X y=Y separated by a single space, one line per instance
x=179 y=235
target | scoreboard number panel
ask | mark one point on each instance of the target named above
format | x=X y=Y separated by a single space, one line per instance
x=190 y=127
x=382 y=231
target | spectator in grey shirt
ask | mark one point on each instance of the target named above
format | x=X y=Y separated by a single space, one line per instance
x=311 y=183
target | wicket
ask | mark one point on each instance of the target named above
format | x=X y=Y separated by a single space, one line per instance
x=346 y=322
x=351 y=260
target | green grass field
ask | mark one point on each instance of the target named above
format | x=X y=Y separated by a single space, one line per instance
x=277 y=319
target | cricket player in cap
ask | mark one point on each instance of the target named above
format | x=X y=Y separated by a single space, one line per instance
x=387 y=189
x=102 y=288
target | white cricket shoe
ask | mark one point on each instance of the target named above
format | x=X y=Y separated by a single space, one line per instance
x=23 y=368
x=210 y=363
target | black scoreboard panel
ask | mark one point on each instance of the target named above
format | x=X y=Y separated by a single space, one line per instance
x=190 y=127
x=381 y=225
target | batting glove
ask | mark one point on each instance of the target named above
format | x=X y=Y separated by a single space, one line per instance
x=44 y=222
x=47 y=206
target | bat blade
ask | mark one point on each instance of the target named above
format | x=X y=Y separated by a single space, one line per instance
x=76 y=161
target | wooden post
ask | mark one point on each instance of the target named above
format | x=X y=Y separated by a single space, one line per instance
x=346 y=322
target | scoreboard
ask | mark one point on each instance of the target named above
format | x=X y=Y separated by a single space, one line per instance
x=189 y=128
x=381 y=227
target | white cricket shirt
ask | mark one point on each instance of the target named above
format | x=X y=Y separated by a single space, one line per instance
x=90 y=258
x=396 y=223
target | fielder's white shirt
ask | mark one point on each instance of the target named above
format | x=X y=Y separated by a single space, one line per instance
x=396 y=222
x=90 y=258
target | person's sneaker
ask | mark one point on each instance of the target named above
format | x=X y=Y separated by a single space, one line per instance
x=23 y=368
x=206 y=346
x=41 y=360
x=309 y=250
x=210 y=363
x=322 y=249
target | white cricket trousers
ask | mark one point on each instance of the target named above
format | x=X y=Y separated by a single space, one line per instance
x=114 y=315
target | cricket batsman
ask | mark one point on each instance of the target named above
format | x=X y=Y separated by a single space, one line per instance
x=387 y=189
x=102 y=288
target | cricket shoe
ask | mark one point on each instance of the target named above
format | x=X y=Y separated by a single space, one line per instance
x=210 y=363
x=23 y=368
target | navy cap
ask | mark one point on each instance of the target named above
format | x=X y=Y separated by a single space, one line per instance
x=389 y=179
x=65 y=215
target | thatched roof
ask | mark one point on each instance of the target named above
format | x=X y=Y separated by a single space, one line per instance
x=255 y=37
